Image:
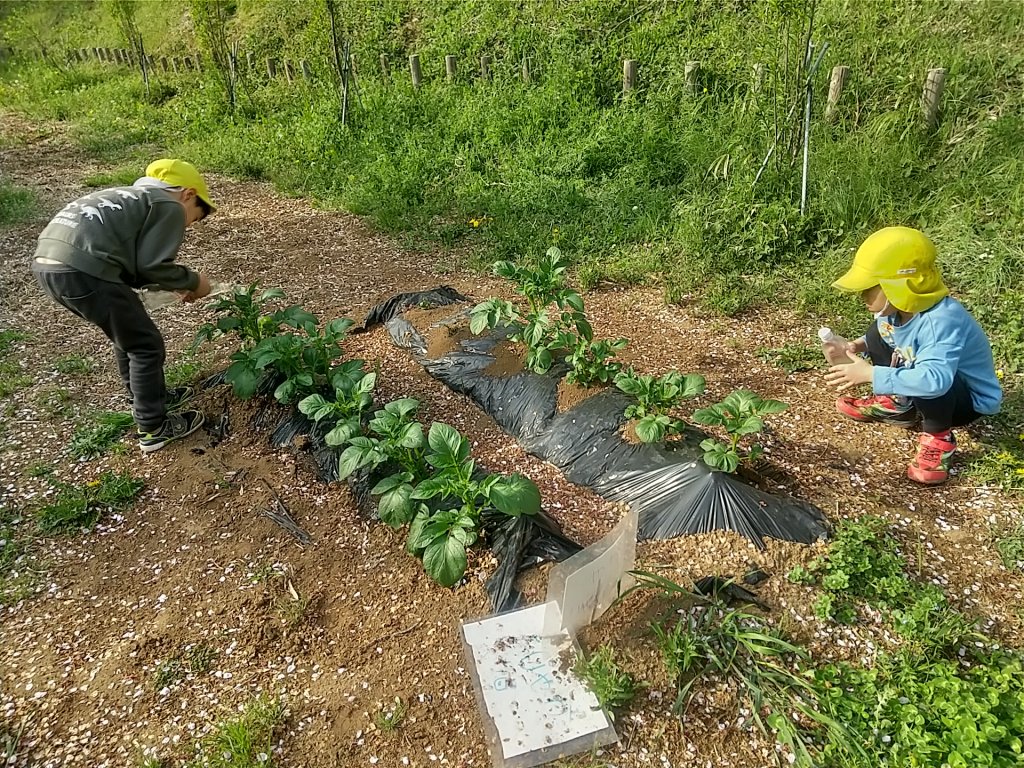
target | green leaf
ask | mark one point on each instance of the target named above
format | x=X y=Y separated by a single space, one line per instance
x=628 y=383
x=339 y=327
x=416 y=541
x=771 y=406
x=285 y=390
x=653 y=428
x=243 y=379
x=297 y=317
x=403 y=406
x=431 y=487
x=269 y=294
x=448 y=447
x=342 y=432
x=345 y=376
x=751 y=425
x=693 y=385
x=515 y=495
x=367 y=383
x=709 y=416
x=412 y=436
x=480 y=320
x=352 y=458
x=444 y=560
x=573 y=299
x=312 y=405
x=395 y=506
x=391 y=482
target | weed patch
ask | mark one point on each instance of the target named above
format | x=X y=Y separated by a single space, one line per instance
x=77 y=507
x=101 y=432
x=613 y=687
x=390 y=717
x=1009 y=543
x=53 y=401
x=245 y=740
x=12 y=376
x=74 y=365
x=16 y=204
x=17 y=576
x=793 y=358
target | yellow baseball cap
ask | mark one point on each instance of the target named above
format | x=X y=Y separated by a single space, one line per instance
x=902 y=261
x=179 y=173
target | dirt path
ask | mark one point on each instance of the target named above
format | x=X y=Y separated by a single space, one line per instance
x=194 y=565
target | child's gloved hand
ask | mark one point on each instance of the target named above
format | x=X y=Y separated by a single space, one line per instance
x=202 y=290
x=857 y=371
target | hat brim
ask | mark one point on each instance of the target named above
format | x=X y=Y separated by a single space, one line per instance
x=856 y=280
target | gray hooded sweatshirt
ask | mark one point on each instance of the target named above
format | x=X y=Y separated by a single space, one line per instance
x=127 y=235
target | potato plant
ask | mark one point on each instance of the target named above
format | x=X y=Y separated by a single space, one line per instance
x=353 y=396
x=655 y=397
x=740 y=415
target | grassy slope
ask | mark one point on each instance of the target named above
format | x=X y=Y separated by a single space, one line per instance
x=656 y=188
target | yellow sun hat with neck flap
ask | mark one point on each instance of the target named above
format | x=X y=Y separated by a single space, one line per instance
x=178 y=173
x=901 y=261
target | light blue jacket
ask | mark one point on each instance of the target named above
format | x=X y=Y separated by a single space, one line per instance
x=932 y=348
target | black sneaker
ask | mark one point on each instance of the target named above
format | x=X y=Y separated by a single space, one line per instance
x=178 y=425
x=176 y=397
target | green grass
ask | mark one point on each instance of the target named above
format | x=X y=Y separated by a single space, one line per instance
x=100 y=432
x=167 y=673
x=390 y=717
x=17 y=204
x=78 y=507
x=54 y=401
x=245 y=740
x=183 y=371
x=793 y=358
x=74 y=364
x=17 y=572
x=12 y=376
x=121 y=177
x=1009 y=543
x=613 y=687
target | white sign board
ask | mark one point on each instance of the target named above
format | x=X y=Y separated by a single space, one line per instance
x=536 y=709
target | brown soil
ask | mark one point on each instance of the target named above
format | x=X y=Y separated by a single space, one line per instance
x=196 y=561
x=508 y=359
x=571 y=395
x=444 y=328
x=628 y=432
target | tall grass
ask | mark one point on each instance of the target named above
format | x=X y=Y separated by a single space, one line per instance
x=654 y=188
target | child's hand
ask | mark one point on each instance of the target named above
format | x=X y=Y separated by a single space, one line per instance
x=857 y=346
x=858 y=371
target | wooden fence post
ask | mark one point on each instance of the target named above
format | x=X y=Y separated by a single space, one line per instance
x=271 y=67
x=289 y=71
x=628 y=75
x=307 y=73
x=198 y=61
x=250 y=61
x=692 y=75
x=175 y=64
x=449 y=68
x=384 y=65
x=414 y=70
x=932 y=95
x=525 y=70
x=835 y=88
x=485 y=67
x=163 y=63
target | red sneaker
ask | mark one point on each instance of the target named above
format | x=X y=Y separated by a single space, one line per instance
x=931 y=465
x=881 y=408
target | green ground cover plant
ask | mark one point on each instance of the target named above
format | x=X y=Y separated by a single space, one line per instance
x=77 y=507
x=98 y=433
x=243 y=740
x=12 y=376
x=656 y=397
x=353 y=396
x=17 y=566
x=16 y=203
x=741 y=414
x=613 y=687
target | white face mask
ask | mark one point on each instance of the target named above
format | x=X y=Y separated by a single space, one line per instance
x=884 y=311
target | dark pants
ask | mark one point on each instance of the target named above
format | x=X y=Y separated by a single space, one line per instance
x=953 y=409
x=138 y=344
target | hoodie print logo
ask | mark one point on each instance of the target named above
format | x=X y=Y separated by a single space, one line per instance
x=91 y=213
x=104 y=203
x=124 y=194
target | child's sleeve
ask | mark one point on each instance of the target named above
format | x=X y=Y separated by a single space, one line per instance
x=157 y=246
x=930 y=374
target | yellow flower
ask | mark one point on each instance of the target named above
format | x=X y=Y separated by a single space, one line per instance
x=999 y=374
x=474 y=222
x=93 y=483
